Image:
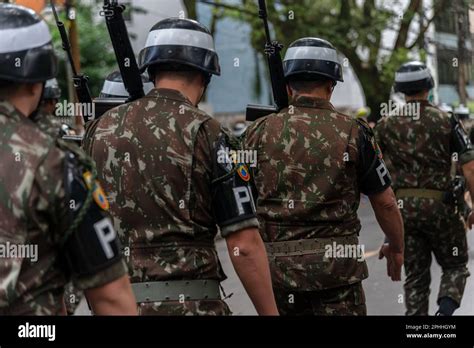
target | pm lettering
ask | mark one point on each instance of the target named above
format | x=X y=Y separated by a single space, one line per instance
x=242 y=195
x=106 y=234
x=382 y=172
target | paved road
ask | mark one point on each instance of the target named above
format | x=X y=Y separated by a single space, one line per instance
x=384 y=297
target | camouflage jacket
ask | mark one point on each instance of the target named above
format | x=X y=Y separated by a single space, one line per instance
x=419 y=153
x=48 y=123
x=309 y=178
x=419 y=149
x=155 y=158
x=34 y=215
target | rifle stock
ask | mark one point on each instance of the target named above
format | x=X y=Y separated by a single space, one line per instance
x=254 y=112
x=80 y=81
x=275 y=67
x=126 y=61
x=102 y=105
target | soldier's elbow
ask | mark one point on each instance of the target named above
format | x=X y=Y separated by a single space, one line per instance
x=385 y=200
x=245 y=242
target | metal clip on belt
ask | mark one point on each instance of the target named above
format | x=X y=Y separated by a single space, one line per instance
x=176 y=290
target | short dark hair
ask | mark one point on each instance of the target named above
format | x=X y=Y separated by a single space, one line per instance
x=178 y=70
x=308 y=85
x=7 y=88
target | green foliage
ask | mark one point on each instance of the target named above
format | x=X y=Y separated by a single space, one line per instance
x=97 y=56
x=390 y=65
x=191 y=8
x=470 y=105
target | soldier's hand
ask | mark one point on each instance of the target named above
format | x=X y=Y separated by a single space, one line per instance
x=470 y=220
x=394 y=261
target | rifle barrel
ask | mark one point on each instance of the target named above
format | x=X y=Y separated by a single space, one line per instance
x=64 y=38
x=262 y=13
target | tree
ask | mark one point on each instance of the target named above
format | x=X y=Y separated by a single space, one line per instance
x=354 y=28
x=97 y=60
x=191 y=9
x=463 y=34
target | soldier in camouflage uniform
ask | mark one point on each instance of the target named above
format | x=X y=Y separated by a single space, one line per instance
x=47 y=121
x=114 y=87
x=313 y=163
x=45 y=118
x=166 y=165
x=53 y=227
x=421 y=143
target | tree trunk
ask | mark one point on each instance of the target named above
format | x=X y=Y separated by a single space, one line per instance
x=376 y=91
x=191 y=8
x=462 y=64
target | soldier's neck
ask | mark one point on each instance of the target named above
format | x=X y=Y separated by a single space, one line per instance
x=22 y=103
x=315 y=95
x=189 y=90
x=417 y=97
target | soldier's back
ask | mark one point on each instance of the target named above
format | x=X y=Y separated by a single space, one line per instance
x=418 y=148
x=158 y=182
x=306 y=168
x=306 y=177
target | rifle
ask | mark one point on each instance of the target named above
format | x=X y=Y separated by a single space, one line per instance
x=460 y=133
x=275 y=66
x=113 y=13
x=455 y=195
x=80 y=81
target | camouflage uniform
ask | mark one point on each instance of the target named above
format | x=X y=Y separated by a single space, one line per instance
x=311 y=169
x=156 y=158
x=34 y=210
x=48 y=123
x=420 y=158
x=51 y=125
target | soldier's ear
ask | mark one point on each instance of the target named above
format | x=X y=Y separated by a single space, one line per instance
x=330 y=88
x=33 y=89
x=289 y=91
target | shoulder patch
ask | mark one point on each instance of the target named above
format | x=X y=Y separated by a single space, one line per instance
x=363 y=124
x=243 y=172
x=369 y=133
x=97 y=192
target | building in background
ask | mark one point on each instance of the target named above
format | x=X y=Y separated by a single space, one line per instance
x=446 y=40
x=146 y=13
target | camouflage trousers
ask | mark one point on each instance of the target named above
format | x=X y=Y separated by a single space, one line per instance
x=201 y=307
x=344 y=300
x=441 y=232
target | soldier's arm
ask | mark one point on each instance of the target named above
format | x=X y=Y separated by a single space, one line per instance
x=87 y=242
x=374 y=181
x=460 y=144
x=114 y=298
x=390 y=220
x=234 y=211
x=248 y=255
x=378 y=133
x=468 y=172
